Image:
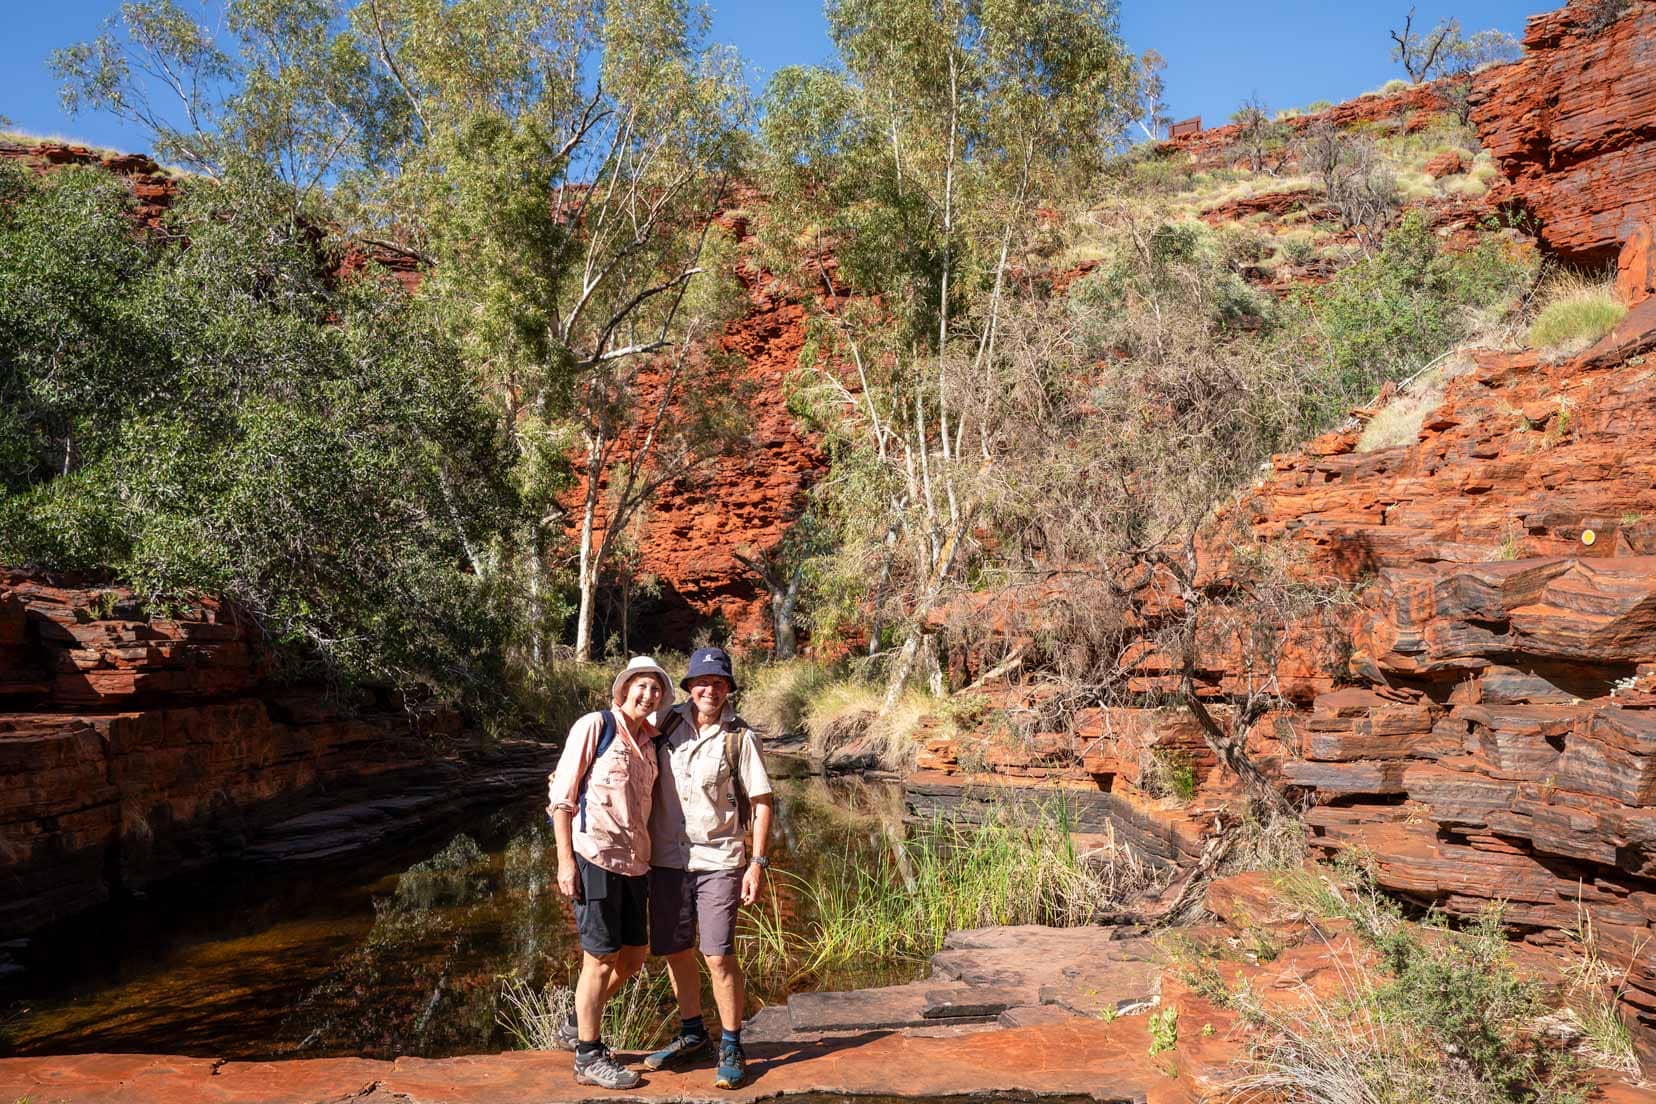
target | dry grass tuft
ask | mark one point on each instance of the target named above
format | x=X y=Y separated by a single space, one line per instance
x=777 y=695
x=1576 y=311
x=1399 y=422
x=850 y=711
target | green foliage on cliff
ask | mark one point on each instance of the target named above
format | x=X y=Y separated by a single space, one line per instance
x=226 y=418
x=1390 y=314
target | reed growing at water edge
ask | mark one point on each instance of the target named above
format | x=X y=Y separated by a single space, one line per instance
x=1019 y=866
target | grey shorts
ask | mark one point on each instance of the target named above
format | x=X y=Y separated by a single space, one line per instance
x=612 y=911
x=685 y=902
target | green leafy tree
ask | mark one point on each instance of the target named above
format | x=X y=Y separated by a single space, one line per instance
x=921 y=165
x=228 y=419
x=556 y=164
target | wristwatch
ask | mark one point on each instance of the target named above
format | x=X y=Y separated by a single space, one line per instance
x=762 y=862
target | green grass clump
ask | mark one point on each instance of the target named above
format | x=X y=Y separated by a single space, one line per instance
x=1019 y=867
x=1164 y=1030
x=1577 y=314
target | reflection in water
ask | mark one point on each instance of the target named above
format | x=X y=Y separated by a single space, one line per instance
x=259 y=965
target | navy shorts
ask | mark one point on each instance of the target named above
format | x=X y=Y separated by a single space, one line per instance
x=613 y=911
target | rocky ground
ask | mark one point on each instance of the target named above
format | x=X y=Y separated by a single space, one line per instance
x=1031 y=1011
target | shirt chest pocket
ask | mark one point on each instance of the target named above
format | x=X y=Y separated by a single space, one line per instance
x=708 y=770
x=614 y=770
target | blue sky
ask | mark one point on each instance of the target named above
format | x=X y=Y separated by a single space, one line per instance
x=1289 y=52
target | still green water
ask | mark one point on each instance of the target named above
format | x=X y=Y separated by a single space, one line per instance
x=404 y=955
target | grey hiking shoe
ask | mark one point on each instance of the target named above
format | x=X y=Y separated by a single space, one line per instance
x=683 y=1048
x=565 y=1036
x=732 y=1067
x=600 y=1068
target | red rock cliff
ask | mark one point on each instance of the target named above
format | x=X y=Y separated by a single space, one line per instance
x=741 y=504
x=1573 y=127
x=136 y=747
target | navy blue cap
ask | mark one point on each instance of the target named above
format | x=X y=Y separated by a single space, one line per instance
x=708 y=661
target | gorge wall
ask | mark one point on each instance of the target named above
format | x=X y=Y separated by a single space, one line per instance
x=690 y=539
x=740 y=504
x=1573 y=127
x=1478 y=712
x=135 y=747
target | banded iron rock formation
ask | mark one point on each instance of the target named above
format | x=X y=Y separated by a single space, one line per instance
x=1481 y=719
x=688 y=542
x=740 y=504
x=136 y=747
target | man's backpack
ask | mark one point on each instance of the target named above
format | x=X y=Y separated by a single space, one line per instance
x=732 y=747
x=732 y=744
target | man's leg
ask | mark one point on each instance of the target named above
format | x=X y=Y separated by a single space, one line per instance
x=673 y=937
x=718 y=896
x=728 y=994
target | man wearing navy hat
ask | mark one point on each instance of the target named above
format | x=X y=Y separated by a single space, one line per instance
x=710 y=784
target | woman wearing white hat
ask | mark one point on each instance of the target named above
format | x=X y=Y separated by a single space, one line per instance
x=600 y=808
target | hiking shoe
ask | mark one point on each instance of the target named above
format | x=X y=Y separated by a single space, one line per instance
x=601 y=1069
x=684 y=1048
x=565 y=1036
x=732 y=1067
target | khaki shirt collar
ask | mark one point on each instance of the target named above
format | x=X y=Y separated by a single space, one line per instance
x=687 y=710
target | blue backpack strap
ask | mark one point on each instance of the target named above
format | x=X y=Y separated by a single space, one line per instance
x=606 y=737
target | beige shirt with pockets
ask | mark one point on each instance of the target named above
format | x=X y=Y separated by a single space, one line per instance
x=615 y=833
x=694 y=823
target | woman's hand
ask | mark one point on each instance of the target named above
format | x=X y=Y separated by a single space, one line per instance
x=569 y=880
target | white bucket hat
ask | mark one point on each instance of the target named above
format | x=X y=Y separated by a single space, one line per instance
x=644 y=665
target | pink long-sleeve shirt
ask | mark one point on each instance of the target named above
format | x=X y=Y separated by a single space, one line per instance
x=615 y=834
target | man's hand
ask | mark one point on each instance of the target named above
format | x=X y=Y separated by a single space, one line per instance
x=752 y=882
x=569 y=881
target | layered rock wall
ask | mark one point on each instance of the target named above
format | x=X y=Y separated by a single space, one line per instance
x=1573 y=127
x=136 y=747
x=741 y=505
x=1496 y=741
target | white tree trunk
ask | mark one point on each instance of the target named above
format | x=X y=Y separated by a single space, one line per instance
x=587 y=571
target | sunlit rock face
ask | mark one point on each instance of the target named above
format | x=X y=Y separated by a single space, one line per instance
x=1573 y=127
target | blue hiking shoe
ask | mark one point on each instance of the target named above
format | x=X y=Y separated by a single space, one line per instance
x=732 y=1067
x=683 y=1049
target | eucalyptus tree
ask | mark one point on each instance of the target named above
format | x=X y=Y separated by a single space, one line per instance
x=923 y=164
x=228 y=419
x=555 y=165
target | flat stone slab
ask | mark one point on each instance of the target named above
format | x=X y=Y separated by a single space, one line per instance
x=888 y=1007
x=969 y=1002
x=1077 y=1056
x=1088 y=970
x=1033 y=1015
x=1091 y=988
x=981 y=974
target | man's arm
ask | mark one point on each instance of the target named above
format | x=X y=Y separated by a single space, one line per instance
x=754 y=879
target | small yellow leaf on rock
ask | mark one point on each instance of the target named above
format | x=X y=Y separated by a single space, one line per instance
x=1588 y=536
